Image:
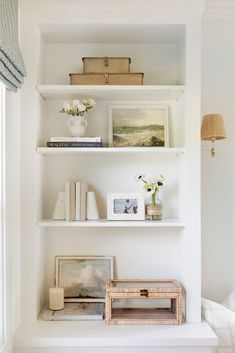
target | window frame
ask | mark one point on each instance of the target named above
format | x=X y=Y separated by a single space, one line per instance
x=4 y=259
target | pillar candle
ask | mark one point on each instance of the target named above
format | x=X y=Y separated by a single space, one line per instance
x=56 y=298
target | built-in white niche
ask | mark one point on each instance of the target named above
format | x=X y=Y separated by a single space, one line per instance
x=110 y=174
x=54 y=123
x=137 y=253
x=156 y=50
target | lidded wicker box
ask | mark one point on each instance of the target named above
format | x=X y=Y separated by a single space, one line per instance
x=106 y=65
x=107 y=79
x=154 y=302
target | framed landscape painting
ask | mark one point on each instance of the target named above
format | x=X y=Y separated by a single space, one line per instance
x=83 y=277
x=138 y=126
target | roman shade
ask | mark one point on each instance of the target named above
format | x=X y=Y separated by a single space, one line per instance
x=12 y=69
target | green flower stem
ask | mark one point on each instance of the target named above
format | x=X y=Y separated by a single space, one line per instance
x=154 y=198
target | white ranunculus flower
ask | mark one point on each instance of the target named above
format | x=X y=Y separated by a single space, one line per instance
x=76 y=102
x=81 y=107
x=73 y=108
x=85 y=101
x=66 y=106
x=91 y=102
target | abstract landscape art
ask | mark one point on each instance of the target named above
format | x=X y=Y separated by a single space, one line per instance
x=83 y=277
x=144 y=126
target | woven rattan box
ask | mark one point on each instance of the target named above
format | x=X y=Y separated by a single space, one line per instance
x=140 y=298
x=106 y=65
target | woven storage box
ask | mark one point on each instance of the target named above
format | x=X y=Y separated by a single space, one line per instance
x=167 y=294
x=107 y=79
x=106 y=65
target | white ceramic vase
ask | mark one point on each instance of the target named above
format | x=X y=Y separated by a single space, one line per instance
x=92 y=209
x=77 y=126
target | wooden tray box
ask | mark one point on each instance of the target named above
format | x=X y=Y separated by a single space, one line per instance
x=107 y=79
x=106 y=65
x=130 y=290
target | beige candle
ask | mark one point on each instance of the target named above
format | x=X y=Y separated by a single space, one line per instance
x=56 y=298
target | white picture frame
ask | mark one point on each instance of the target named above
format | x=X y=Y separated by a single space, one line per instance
x=125 y=206
x=138 y=125
x=74 y=272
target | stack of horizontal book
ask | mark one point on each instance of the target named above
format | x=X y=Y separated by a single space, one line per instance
x=75 y=201
x=64 y=142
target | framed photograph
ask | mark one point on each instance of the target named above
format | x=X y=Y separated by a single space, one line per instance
x=83 y=277
x=138 y=126
x=125 y=206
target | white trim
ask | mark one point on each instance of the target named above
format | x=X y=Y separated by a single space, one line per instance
x=172 y=5
x=220 y=9
x=171 y=151
x=104 y=223
x=4 y=260
x=115 y=92
x=94 y=334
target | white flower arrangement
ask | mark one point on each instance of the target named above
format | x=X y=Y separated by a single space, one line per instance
x=78 y=107
x=152 y=185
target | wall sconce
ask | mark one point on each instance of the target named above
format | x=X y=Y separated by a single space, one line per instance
x=213 y=129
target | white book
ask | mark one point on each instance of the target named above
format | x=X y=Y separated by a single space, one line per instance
x=72 y=201
x=76 y=139
x=78 y=201
x=67 y=201
x=84 y=189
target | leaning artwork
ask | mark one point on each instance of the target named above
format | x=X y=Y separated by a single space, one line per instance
x=138 y=126
x=83 y=277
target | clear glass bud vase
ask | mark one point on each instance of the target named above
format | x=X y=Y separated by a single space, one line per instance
x=154 y=208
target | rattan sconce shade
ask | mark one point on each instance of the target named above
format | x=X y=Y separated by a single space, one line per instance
x=213 y=127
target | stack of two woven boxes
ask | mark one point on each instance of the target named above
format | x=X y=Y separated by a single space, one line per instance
x=106 y=71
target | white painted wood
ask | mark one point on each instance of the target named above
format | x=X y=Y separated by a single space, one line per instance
x=97 y=334
x=108 y=33
x=49 y=62
x=119 y=92
x=165 y=223
x=220 y=9
x=190 y=177
x=157 y=5
x=115 y=350
x=114 y=150
x=5 y=221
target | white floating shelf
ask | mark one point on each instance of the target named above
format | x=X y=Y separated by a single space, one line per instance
x=104 y=223
x=117 y=92
x=97 y=334
x=111 y=150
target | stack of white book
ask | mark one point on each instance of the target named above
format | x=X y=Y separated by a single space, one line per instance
x=63 y=142
x=75 y=200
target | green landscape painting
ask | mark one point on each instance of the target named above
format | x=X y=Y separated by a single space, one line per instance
x=138 y=127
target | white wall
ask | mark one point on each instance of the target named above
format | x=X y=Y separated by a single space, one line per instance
x=218 y=180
